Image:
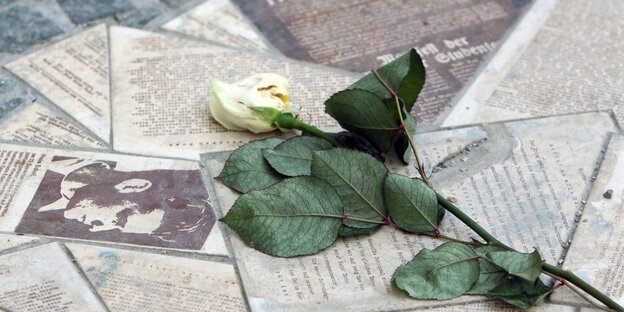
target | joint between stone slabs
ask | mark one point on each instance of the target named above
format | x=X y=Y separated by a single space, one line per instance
x=584 y=197
x=83 y=275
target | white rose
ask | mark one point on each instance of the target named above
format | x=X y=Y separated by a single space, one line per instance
x=238 y=106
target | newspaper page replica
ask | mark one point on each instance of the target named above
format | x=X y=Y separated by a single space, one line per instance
x=161 y=91
x=159 y=203
x=44 y=278
x=10 y=241
x=597 y=253
x=127 y=280
x=521 y=185
x=222 y=22
x=452 y=36
x=35 y=123
x=73 y=74
x=564 y=56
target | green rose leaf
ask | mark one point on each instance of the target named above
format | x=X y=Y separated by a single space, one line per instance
x=346 y=231
x=364 y=113
x=297 y=216
x=293 y=157
x=246 y=170
x=412 y=205
x=490 y=274
x=405 y=75
x=446 y=272
x=520 y=293
x=356 y=142
x=522 y=265
x=358 y=179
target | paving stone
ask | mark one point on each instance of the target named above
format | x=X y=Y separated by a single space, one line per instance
x=175 y=3
x=6 y=84
x=10 y=105
x=82 y=11
x=137 y=18
x=22 y=27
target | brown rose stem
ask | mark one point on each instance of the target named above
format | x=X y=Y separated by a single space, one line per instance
x=549 y=268
x=491 y=240
x=288 y=121
x=403 y=127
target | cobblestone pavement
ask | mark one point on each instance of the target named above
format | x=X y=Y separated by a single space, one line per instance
x=26 y=26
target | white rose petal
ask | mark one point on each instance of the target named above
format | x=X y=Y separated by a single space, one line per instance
x=230 y=103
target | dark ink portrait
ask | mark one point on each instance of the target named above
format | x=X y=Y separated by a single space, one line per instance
x=90 y=200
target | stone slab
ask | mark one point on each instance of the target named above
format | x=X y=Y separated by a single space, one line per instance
x=43 y=278
x=137 y=281
x=523 y=184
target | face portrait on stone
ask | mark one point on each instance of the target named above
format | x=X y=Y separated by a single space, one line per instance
x=93 y=200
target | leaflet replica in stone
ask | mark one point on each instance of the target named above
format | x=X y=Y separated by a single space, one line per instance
x=73 y=74
x=153 y=202
x=44 y=277
x=220 y=21
x=564 y=57
x=359 y=35
x=113 y=231
x=161 y=88
x=526 y=188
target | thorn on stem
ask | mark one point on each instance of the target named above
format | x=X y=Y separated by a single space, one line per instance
x=475 y=242
x=437 y=233
x=387 y=221
x=345 y=217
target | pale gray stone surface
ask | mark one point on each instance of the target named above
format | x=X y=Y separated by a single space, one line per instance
x=8 y=241
x=21 y=27
x=596 y=252
x=527 y=181
x=522 y=184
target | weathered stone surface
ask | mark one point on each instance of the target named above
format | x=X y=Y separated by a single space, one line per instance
x=43 y=278
x=175 y=3
x=139 y=17
x=82 y=90
x=6 y=84
x=3 y=2
x=529 y=183
x=82 y=11
x=22 y=27
x=8 y=241
x=10 y=105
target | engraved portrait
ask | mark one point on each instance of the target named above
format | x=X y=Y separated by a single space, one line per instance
x=90 y=199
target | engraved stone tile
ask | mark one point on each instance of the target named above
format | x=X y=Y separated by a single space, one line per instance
x=596 y=253
x=359 y=35
x=73 y=74
x=43 y=278
x=495 y=306
x=222 y=22
x=538 y=71
x=8 y=241
x=132 y=281
x=34 y=123
x=162 y=88
x=151 y=202
x=524 y=185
